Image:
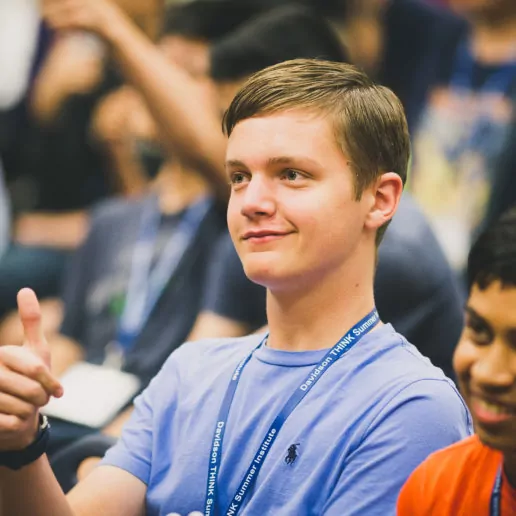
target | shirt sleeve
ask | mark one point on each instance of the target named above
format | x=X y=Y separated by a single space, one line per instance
x=135 y=448
x=426 y=416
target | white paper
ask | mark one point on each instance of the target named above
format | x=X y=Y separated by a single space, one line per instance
x=93 y=395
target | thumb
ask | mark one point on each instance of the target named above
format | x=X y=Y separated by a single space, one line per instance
x=30 y=316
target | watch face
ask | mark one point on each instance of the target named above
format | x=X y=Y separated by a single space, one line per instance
x=43 y=422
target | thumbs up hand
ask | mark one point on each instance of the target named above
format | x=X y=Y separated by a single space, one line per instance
x=26 y=382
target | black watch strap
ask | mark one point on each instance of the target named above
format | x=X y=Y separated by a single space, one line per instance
x=17 y=459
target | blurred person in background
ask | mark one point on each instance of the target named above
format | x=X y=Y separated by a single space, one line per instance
x=398 y=42
x=464 y=145
x=478 y=475
x=133 y=290
x=54 y=169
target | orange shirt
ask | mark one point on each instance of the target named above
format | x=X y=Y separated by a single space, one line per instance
x=456 y=481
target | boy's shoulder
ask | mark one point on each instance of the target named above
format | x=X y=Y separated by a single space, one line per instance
x=388 y=354
x=401 y=380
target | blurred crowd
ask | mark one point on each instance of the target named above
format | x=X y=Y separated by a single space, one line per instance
x=112 y=163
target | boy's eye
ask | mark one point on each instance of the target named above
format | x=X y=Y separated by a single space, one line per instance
x=479 y=332
x=237 y=178
x=291 y=175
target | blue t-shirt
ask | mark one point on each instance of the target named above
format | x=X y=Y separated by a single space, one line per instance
x=374 y=416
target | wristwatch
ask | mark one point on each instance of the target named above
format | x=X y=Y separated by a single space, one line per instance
x=17 y=459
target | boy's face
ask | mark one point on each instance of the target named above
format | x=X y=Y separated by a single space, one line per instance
x=485 y=362
x=292 y=213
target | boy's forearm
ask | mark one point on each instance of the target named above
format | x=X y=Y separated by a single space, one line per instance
x=32 y=490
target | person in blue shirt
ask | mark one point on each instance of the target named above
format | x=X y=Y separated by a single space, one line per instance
x=328 y=413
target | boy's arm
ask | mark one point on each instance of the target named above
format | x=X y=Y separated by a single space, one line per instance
x=34 y=490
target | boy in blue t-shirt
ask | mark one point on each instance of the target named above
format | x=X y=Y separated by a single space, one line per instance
x=332 y=410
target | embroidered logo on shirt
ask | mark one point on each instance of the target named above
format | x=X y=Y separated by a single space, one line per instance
x=291 y=454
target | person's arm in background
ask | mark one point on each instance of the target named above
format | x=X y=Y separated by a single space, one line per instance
x=187 y=118
x=57 y=230
x=73 y=66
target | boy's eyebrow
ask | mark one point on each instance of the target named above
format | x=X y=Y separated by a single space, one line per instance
x=235 y=163
x=275 y=160
x=475 y=314
x=510 y=333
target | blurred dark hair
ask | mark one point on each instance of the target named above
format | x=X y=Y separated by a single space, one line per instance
x=493 y=255
x=209 y=20
x=282 y=34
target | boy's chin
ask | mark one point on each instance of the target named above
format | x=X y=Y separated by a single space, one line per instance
x=504 y=442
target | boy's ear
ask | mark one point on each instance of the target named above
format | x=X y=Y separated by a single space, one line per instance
x=386 y=193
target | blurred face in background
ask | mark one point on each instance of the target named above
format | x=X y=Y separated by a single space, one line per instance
x=485 y=363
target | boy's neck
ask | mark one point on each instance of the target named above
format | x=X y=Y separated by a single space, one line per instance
x=318 y=315
x=178 y=187
x=494 y=42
